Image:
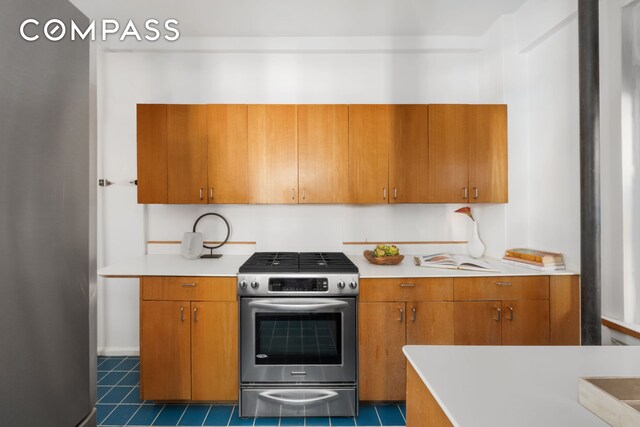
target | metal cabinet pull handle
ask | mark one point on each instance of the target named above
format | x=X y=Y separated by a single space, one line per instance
x=395 y=193
x=401 y=315
x=503 y=283
x=293 y=193
x=188 y=285
x=384 y=193
x=407 y=285
x=201 y=191
x=182 y=314
x=510 y=313
x=465 y=193
x=476 y=192
x=298 y=397
x=414 y=313
x=304 y=196
x=499 y=314
x=195 y=314
x=211 y=193
x=299 y=304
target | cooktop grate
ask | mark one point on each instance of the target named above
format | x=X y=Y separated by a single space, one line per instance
x=293 y=262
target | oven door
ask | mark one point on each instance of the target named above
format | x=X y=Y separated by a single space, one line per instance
x=298 y=340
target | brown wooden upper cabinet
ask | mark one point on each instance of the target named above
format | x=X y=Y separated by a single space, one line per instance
x=409 y=154
x=273 y=154
x=488 y=155
x=361 y=154
x=227 y=156
x=152 y=153
x=323 y=153
x=468 y=154
x=369 y=136
x=187 y=146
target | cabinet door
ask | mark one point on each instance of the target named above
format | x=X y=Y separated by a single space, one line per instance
x=409 y=154
x=450 y=127
x=369 y=136
x=323 y=144
x=525 y=322
x=165 y=350
x=273 y=154
x=488 y=155
x=151 y=124
x=477 y=323
x=227 y=154
x=214 y=350
x=381 y=362
x=187 y=153
x=430 y=323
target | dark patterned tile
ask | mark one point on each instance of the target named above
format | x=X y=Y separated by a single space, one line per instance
x=121 y=415
x=170 y=415
x=116 y=394
x=390 y=415
x=194 y=415
x=218 y=415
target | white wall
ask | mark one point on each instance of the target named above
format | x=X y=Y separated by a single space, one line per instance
x=528 y=60
x=248 y=77
x=554 y=169
x=531 y=64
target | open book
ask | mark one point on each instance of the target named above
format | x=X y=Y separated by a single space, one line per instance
x=455 y=262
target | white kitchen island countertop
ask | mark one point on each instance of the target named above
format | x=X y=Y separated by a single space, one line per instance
x=175 y=265
x=517 y=386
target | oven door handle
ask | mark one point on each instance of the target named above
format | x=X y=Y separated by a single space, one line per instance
x=298 y=304
x=276 y=395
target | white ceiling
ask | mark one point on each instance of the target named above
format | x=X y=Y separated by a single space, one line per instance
x=238 y=18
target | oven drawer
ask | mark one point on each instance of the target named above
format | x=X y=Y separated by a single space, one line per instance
x=298 y=402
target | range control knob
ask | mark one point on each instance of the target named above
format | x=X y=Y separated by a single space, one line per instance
x=353 y=284
x=255 y=285
x=243 y=285
x=341 y=284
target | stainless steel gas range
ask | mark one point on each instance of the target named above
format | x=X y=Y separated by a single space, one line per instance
x=298 y=335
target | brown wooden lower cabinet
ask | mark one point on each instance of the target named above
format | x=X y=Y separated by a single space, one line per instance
x=381 y=335
x=429 y=323
x=214 y=351
x=525 y=322
x=188 y=349
x=422 y=408
x=165 y=337
x=502 y=322
x=384 y=328
x=522 y=310
x=477 y=323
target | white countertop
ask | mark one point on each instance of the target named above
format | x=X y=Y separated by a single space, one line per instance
x=408 y=269
x=175 y=265
x=517 y=386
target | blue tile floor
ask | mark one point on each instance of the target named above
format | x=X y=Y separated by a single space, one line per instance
x=119 y=404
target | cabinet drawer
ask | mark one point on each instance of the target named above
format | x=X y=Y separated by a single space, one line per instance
x=416 y=289
x=188 y=288
x=498 y=288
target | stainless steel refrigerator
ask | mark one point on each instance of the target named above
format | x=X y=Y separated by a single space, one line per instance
x=47 y=211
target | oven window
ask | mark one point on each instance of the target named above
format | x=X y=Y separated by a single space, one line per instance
x=298 y=339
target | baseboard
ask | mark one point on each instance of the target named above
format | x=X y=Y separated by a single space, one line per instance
x=119 y=351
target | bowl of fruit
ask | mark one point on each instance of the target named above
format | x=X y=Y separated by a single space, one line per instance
x=384 y=255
